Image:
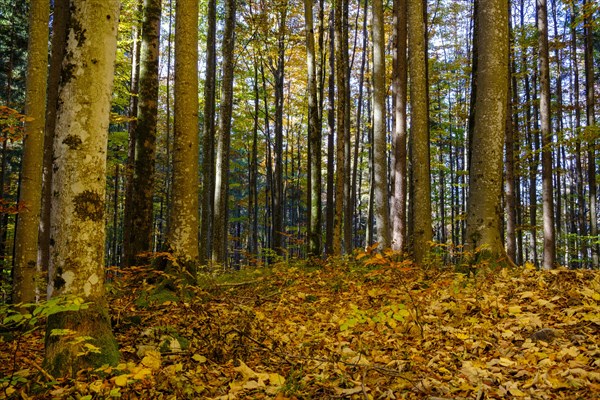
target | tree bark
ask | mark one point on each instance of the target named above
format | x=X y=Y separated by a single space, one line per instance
x=145 y=135
x=59 y=36
x=221 y=217
x=546 y=132
x=341 y=65
x=381 y=202
x=208 y=141
x=399 y=239
x=78 y=188
x=26 y=236
x=591 y=122
x=484 y=204
x=314 y=136
x=184 y=227
x=419 y=127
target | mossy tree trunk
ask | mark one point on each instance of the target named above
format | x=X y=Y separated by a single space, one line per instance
x=78 y=188
x=145 y=136
x=421 y=224
x=314 y=135
x=26 y=240
x=59 y=36
x=399 y=77
x=184 y=224
x=484 y=204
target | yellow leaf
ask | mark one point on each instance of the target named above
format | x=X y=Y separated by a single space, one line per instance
x=505 y=362
x=516 y=392
x=461 y=336
x=142 y=373
x=514 y=309
x=276 y=379
x=507 y=334
x=246 y=371
x=121 y=380
x=96 y=386
x=151 y=360
x=199 y=358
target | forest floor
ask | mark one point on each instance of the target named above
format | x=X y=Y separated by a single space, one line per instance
x=366 y=327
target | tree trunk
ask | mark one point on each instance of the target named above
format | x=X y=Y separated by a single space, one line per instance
x=78 y=187
x=145 y=135
x=341 y=66
x=183 y=227
x=221 y=216
x=128 y=252
x=26 y=237
x=419 y=128
x=399 y=239
x=59 y=37
x=208 y=141
x=485 y=169
x=546 y=132
x=591 y=122
x=381 y=205
x=512 y=124
x=330 y=211
x=314 y=136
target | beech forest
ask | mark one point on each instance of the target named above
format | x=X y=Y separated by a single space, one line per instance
x=299 y=199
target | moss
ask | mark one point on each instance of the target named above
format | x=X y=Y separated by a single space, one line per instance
x=156 y=296
x=74 y=142
x=62 y=357
x=89 y=205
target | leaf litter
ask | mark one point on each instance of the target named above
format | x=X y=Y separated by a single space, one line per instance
x=370 y=327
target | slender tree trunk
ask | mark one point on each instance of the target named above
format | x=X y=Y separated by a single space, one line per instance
x=183 y=231
x=59 y=37
x=221 y=217
x=340 y=73
x=253 y=195
x=512 y=124
x=399 y=239
x=546 y=132
x=381 y=205
x=422 y=234
x=355 y=185
x=314 y=136
x=26 y=237
x=145 y=135
x=79 y=186
x=128 y=251
x=591 y=122
x=330 y=212
x=208 y=151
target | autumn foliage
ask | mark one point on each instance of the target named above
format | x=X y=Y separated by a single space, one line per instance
x=367 y=327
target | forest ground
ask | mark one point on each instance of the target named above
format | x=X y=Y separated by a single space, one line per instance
x=362 y=327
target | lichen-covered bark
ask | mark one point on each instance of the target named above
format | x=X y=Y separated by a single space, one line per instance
x=208 y=138
x=400 y=132
x=26 y=240
x=78 y=187
x=546 y=132
x=145 y=134
x=224 y=140
x=419 y=127
x=314 y=135
x=381 y=205
x=484 y=204
x=341 y=65
x=183 y=229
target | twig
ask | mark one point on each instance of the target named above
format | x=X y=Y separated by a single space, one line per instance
x=49 y=377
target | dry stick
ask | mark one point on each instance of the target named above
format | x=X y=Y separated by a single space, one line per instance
x=40 y=369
